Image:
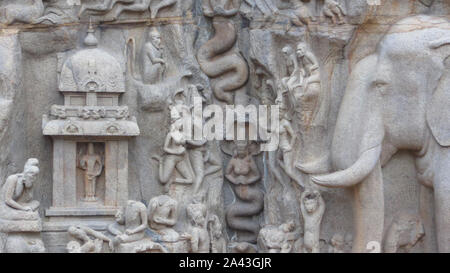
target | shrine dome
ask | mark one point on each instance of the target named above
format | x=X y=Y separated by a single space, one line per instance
x=92 y=70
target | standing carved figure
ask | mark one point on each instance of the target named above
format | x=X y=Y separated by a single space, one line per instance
x=217 y=58
x=153 y=64
x=287 y=138
x=305 y=87
x=216 y=235
x=312 y=207
x=92 y=165
x=334 y=11
x=198 y=234
x=243 y=173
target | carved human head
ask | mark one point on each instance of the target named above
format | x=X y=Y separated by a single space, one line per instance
x=301 y=49
x=75 y=231
x=30 y=175
x=287 y=51
x=337 y=240
x=349 y=239
x=120 y=216
x=197 y=213
x=241 y=148
x=289 y=226
x=179 y=97
x=311 y=201
x=215 y=226
x=175 y=116
x=272 y=239
x=155 y=37
x=31 y=162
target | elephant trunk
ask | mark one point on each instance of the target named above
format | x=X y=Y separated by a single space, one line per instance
x=354 y=174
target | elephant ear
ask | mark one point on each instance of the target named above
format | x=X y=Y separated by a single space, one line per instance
x=438 y=112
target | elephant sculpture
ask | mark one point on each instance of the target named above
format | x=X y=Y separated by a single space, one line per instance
x=398 y=98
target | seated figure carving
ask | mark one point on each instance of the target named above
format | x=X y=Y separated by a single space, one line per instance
x=134 y=219
x=16 y=195
x=162 y=217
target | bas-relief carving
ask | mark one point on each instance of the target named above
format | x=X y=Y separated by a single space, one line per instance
x=114 y=8
x=218 y=58
x=20 y=222
x=313 y=208
x=86 y=240
x=244 y=175
x=390 y=121
x=192 y=217
x=405 y=231
x=92 y=164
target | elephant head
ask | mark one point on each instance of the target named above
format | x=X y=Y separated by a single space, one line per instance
x=396 y=98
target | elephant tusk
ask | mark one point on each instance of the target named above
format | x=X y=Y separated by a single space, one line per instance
x=354 y=174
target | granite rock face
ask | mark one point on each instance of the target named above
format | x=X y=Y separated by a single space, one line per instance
x=120 y=121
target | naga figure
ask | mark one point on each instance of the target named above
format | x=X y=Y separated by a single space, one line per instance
x=243 y=173
x=217 y=58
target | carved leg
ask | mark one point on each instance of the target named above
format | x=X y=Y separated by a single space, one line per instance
x=369 y=212
x=161 y=5
x=184 y=169
x=442 y=203
x=166 y=168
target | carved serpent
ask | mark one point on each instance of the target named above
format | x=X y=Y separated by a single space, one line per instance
x=250 y=202
x=217 y=59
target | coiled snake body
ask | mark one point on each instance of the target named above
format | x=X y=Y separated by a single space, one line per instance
x=217 y=59
x=250 y=202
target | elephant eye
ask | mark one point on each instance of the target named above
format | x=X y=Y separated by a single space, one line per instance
x=380 y=86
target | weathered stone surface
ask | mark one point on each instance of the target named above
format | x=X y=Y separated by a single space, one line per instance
x=106 y=95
